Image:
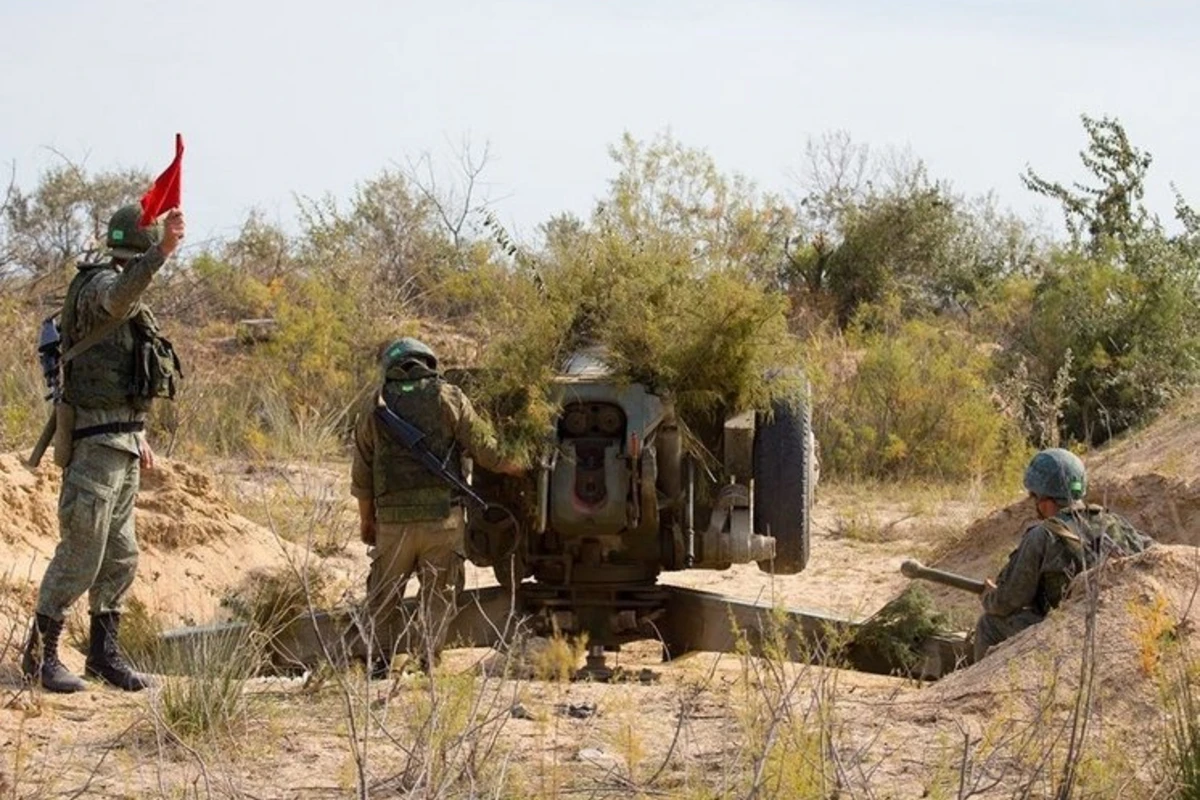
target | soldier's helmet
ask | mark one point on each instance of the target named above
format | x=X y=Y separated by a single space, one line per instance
x=1057 y=473
x=407 y=349
x=126 y=237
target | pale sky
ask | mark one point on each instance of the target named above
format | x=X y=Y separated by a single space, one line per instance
x=312 y=97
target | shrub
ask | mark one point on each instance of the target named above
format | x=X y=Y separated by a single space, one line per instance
x=910 y=400
x=270 y=598
x=1126 y=338
x=711 y=336
x=202 y=694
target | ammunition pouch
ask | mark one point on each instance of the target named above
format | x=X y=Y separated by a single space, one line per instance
x=64 y=441
x=156 y=367
x=416 y=505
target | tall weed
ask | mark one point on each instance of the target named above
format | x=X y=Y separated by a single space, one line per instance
x=910 y=402
x=23 y=410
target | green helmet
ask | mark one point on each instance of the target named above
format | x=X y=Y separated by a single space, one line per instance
x=407 y=349
x=126 y=237
x=1057 y=473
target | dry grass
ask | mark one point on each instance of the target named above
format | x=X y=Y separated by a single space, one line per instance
x=737 y=726
x=301 y=505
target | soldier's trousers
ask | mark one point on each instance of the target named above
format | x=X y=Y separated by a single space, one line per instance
x=97 y=551
x=432 y=552
x=991 y=630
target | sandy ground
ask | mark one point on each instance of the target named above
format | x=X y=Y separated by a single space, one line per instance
x=698 y=728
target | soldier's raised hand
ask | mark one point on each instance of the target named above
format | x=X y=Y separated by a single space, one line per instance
x=173 y=228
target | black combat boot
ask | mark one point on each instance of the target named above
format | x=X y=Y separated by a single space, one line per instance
x=104 y=659
x=40 y=660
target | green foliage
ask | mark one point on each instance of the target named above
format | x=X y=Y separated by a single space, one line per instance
x=882 y=228
x=890 y=240
x=897 y=631
x=1115 y=311
x=393 y=235
x=202 y=695
x=1183 y=730
x=690 y=280
x=909 y=400
x=1128 y=341
x=663 y=188
x=65 y=216
x=312 y=355
x=271 y=598
x=231 y=293
x=684 y=318
x=1113 y=210
x=139 y=633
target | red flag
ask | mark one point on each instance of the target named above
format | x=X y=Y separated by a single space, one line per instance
x=164 y=195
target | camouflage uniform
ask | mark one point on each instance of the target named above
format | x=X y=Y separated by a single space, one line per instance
x=420 y=525
x=1038 y=572
x=98 y=551
x=114 y=365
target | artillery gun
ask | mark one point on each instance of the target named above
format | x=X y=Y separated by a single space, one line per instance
x=624 y=493
x=621 y=498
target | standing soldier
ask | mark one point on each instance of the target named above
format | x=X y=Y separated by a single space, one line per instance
x=407 y=512
x=114 y=364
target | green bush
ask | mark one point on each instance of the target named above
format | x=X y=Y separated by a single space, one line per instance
x=910 y=401
x=1127 y=339
x=712 y=336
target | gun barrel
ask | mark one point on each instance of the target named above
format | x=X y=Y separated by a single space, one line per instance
x=914 y=569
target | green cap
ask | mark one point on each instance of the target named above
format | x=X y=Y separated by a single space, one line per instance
x=126 y=237
x=1057 y=473
x=407 y=349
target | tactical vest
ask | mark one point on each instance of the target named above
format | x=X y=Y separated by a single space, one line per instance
x=129 y=367
x=405 y=491
x=1084 y=538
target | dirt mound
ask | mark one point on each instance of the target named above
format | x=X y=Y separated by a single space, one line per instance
x=194 y=546
x=178 y=506
x=1019 y=704
x=1169 y=446
x=1151 y=476
x=1168 y=508
x=1140 y=600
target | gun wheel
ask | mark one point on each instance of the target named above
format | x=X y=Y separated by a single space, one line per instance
x=784 y=482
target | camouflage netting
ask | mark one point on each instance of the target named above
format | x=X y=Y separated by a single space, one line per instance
x=897 y=631
x=708 y=334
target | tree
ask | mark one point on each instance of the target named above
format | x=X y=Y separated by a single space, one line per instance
x=1113 y=209
x=881 y=227
x=65 y=216
x=663 y=188
x=1114 y=310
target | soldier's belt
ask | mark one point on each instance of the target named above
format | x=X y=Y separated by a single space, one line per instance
x=108 y=427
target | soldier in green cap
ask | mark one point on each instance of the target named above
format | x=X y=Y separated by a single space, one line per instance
x=1069 y=538
x=407 y=513
x=115 y=364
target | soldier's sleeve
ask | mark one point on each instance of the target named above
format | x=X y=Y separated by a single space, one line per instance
x=118 y=293
x=473 y=433
x=1017 y=584
x=362 y=481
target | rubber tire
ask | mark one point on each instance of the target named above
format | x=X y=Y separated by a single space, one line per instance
x=784 y=467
